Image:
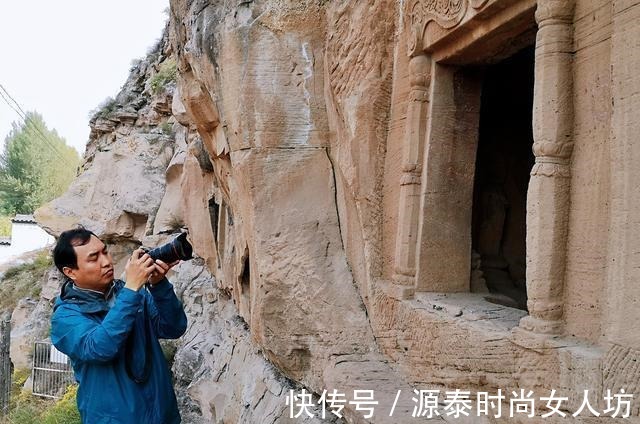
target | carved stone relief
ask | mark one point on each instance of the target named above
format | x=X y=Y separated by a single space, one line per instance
x=446 y=13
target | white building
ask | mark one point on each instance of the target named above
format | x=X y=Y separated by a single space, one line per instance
x=26 y=235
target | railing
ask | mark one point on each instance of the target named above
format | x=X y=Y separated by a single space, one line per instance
x=5 y=362
x=52 y=372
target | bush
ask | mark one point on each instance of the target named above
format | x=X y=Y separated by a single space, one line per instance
x=28 y=409
x=64 y=411
x=5 y=226
x=166 y=128
x=105 y=107
x=23 y=406
x=166 y=74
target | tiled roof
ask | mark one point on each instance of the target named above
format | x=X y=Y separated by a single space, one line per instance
x=24 y=219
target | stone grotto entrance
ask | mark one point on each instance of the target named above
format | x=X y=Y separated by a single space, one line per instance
x=503 y=163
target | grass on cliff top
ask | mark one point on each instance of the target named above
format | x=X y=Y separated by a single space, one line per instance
x=24 y=280
x=105 y=107
x=25 y=408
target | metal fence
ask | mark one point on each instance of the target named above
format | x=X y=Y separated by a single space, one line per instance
x=5 y=362
x=52 y=372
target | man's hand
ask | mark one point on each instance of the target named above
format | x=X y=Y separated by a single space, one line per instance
x=160 y=271
x=138 y=269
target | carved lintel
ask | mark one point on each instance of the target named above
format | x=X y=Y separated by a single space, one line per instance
x=446 y=13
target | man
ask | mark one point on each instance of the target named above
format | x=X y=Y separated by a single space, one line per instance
x=110 y=330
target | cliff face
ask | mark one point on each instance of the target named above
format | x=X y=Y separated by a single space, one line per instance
x=291 y=101
x=122 y=179
x=252 y=82
x=140 y=168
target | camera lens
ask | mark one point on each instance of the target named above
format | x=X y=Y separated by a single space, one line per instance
x=177 y=249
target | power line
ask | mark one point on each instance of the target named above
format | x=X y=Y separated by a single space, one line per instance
x=27 y=120
x=29 y=124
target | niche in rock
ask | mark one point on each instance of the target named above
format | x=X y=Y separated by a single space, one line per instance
x=214 y=216
x=245 y=285
x=503 y=164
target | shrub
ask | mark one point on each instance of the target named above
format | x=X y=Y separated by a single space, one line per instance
x=63 y=411
x=105 y=107
x=28 y=409
x=166 y=128
x=5 y=226
x=24 y=408
x=166 y=74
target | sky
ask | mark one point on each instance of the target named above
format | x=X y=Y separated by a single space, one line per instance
x=63 y=58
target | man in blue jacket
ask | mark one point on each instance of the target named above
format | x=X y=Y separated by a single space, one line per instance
x=110 y=330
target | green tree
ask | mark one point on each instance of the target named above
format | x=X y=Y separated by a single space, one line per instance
x=36 y=166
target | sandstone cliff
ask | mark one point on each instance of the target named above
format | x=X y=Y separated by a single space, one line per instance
x=129 y=190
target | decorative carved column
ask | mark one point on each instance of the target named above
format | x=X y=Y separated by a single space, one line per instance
x=413 y=150
x=548 y=196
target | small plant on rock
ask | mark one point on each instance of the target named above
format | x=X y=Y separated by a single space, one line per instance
x=165 y=75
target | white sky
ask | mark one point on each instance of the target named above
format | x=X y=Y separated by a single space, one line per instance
x=63 y=58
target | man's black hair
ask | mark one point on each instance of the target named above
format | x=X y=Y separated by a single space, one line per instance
x=63 y=253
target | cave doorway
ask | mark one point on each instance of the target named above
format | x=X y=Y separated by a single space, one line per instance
x=504 y=160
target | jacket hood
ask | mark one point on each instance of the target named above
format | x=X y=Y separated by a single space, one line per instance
x=88 y=301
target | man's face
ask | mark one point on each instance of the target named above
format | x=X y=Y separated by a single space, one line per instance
x=95 y=266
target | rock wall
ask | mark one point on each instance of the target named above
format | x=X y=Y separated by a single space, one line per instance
x=141 y=180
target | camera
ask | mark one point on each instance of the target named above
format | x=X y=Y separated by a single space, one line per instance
x=178 y=248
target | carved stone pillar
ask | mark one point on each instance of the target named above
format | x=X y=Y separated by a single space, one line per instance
x=548 y=196
x=413 y=150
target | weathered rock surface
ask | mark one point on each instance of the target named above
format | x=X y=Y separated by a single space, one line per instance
x=30 y=320
x=122 y=179
x=282 y=258
x=222 y=376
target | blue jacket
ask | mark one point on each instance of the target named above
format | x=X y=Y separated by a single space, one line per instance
x=112 y=341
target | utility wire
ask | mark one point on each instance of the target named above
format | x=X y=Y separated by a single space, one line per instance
x=27 y=120
x=29 y=124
